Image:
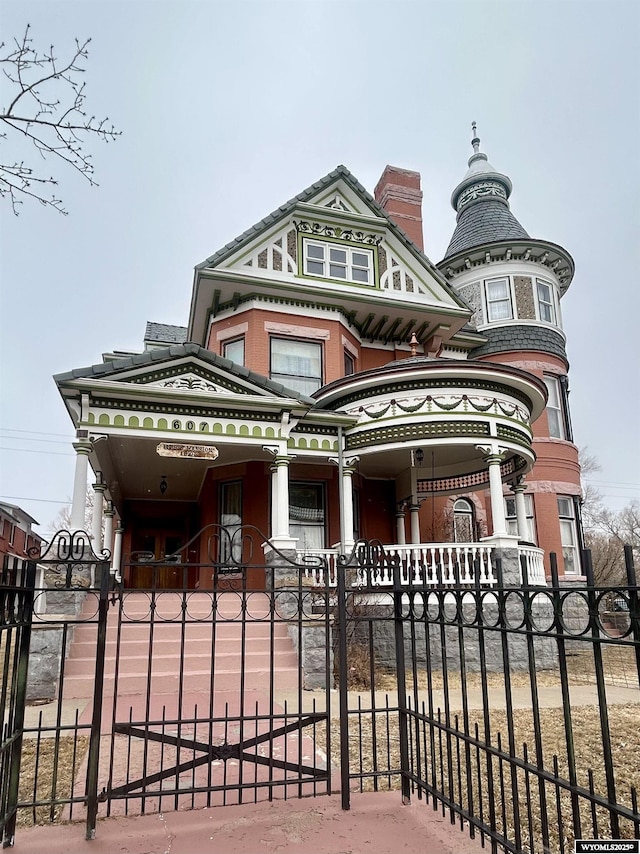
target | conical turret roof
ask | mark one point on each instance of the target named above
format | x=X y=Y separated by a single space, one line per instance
x=481 y=201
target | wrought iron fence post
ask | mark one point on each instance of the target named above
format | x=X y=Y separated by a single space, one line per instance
x=96 y=720
x=401 y=683
x=16 y=715
x=592 y=598
x=342 y=686
x=634 y=602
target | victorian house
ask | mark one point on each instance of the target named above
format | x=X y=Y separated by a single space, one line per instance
x=333 y=383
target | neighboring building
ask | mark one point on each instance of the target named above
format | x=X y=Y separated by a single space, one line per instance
x=16 y=534
x=322 y=340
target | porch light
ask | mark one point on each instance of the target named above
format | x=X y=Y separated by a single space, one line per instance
x=163 y=484
x=419 y=455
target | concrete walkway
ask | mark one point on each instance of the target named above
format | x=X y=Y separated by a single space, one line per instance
x=377 y=823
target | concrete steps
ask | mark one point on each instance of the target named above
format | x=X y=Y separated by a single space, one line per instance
x=205 y=651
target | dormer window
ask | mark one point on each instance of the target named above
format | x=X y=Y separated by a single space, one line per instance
x=335 y=261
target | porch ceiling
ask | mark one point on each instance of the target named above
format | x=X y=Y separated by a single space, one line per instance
x=447 y=461
x=133 y=469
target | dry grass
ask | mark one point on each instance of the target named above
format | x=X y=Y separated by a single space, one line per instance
x=55 y=763
x=444 y=764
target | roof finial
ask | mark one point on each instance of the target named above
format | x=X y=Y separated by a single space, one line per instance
x=475 y=142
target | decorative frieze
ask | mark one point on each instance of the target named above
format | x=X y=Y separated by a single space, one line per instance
x=481 y=190
x=351 y=235
x=445 y=403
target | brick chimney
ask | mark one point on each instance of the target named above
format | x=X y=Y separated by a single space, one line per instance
x=398 y=192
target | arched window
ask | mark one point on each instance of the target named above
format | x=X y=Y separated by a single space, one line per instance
x=463 y=521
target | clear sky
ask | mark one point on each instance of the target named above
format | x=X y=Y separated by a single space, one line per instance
x=228 y=109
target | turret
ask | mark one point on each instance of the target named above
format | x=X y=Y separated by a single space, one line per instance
x=514 y=284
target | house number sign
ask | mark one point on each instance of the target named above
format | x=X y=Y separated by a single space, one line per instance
x=193 y=452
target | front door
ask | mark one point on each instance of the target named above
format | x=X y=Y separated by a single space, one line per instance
x=161 y=544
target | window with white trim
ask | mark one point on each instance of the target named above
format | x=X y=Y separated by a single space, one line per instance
x=546 y=301
x=234 y=351
x=307 y=514
x=498 y=298
x=296 y=364
x=555 y=413
x=568 y=535
x=334 y=261
x=512 y=517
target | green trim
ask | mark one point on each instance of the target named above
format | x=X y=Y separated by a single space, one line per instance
x=412 y=432
x=178 y=370
x=398 y=386
x=373 y=248
x=177 y=409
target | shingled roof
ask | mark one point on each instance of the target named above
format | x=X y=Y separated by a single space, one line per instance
x=488 y=221
x=104 y=370
x=164 y=333
x=481 y=201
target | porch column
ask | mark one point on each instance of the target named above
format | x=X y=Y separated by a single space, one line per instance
x=493 y=458
x=117 y=552
x=280 y=496
x=282 y=493
x=518 y=489
x=274 y=499
x=109 y=513
x=414 y=510
x=348 y=468
x=400 y=528
x=79 y=501
x=99 y=488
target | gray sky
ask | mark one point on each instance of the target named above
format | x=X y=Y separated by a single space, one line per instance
x=230 y=109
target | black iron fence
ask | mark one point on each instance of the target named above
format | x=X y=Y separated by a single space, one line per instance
x=513 y=710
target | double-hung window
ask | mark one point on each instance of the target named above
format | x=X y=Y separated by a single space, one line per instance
x=234 y=351
x=498 y=296
x=296 y=364
x=331 y=261
x=307 y=514
x=555 y=413
x=568 y=535
x=546 y=303
x=512 y=518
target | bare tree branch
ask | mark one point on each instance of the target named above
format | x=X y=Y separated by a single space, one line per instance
x=47 y=109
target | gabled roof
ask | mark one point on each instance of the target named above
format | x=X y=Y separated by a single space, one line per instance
x=108 y=370
x=340 y=172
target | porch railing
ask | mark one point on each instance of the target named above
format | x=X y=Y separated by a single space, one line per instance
x=533 y=559
x=434 y=564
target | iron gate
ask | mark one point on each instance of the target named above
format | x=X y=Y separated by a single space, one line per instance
x=207 y=688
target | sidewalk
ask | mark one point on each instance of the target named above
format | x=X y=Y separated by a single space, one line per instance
x=377 y=823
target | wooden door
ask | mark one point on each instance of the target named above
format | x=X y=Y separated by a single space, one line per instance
x=169 y=576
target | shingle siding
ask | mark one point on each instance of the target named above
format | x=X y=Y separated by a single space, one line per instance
x=506 y=338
